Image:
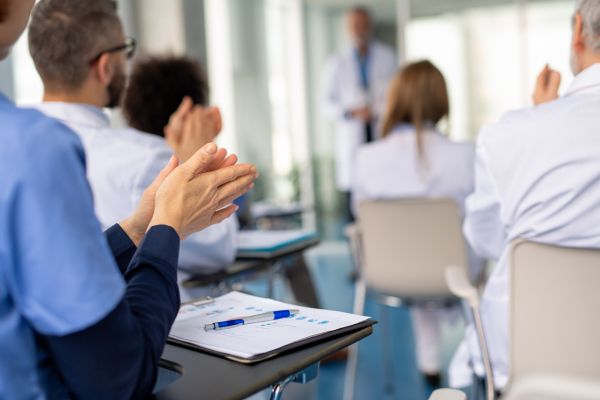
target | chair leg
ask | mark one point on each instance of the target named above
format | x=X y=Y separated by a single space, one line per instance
x=359 y=306
x=486 y=358
x=386 y=342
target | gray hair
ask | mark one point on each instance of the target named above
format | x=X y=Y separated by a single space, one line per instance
x=65 y=35
x=590 y=16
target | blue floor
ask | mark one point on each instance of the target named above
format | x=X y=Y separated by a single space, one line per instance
x=330 y=265
x=408 y=383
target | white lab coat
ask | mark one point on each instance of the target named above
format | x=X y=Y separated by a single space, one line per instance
x=537 y=176
x=342 y=91
x=391 y=168
x=121 y=164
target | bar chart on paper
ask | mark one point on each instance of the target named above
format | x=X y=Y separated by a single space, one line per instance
x=254 y=339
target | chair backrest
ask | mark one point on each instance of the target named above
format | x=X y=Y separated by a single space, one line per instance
x=554 y=310
x=407 y=244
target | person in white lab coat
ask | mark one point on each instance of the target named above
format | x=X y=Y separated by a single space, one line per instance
x=413 y=159
x=353 y=88
x=537 y=176
x=82 y=66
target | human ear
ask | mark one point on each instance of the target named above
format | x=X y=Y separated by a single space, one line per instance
x=105 y=69
x=578 y=39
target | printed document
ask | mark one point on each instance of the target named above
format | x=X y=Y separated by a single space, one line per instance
x=254 y=339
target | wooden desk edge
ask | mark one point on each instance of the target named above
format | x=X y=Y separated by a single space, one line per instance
x=315 y=358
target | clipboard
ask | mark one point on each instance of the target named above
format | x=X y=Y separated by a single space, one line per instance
x=265 y=356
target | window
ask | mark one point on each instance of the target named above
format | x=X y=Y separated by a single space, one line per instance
x=491 y=57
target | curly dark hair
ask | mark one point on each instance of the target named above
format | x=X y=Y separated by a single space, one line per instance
x=156 y=88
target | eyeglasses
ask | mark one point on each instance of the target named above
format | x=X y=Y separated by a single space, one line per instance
x=128 y=48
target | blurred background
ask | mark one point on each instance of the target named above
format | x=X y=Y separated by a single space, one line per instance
x=265 y=57
x=264 y=60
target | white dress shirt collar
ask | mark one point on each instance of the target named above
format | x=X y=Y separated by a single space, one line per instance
x=75 y=113
x=587 y=80
x=405 y=127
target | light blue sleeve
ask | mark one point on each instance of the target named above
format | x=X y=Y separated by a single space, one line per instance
x=62 y=276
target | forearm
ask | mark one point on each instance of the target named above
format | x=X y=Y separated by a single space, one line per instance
x=118 y=356
x=121 y=246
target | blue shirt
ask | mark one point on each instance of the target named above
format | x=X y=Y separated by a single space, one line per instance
x=57 y=274
x=364 y=64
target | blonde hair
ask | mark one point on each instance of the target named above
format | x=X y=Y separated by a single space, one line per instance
x=417 y=94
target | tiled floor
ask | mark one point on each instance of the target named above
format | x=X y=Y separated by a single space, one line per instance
x=331 y=266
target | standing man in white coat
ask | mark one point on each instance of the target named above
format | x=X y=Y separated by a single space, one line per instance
x=80 y=53
x=353 y=90
x=537 y=176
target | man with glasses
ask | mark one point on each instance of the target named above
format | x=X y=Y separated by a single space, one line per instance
x=85 y=315
x=81 y=54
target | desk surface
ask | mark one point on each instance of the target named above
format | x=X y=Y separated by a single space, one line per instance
x=215 y=378
x=295 y=247
x=250 y=262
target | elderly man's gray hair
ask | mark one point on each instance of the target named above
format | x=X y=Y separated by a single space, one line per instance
x=590 y=16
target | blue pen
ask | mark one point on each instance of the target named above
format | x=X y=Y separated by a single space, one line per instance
x=268 y=316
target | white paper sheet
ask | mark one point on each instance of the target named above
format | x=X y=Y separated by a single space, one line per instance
x=254 y=339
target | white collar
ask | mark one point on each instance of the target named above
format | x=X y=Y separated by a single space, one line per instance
x=404 y=127
x=587 y=79
x=75 y=113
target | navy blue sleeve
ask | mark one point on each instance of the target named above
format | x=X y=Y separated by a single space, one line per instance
x=117 y=358
x=121 y=246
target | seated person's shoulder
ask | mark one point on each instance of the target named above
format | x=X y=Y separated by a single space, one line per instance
x=142 y=141
x=149 y=153
x=373 y=149
x=513 y=124
x=462 y=148
x=374 y=156
x=29 y=133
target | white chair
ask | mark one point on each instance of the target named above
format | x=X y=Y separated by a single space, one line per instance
x=554 y=328
x=552 y=387
x=447 y=394
x=538 y=387
x=401 y=248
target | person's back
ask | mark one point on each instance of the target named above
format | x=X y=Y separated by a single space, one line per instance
x=69 y=293
x=160 y=87
x=414 y=160
x=541 y=182
x=26 y=147
x=121 y=163
x=117 y=160
x=548 y=185
x=391 y=167
x=537 y=176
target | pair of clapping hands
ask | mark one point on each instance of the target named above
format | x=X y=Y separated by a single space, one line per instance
x=192 y=196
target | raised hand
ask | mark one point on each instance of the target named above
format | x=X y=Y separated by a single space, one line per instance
x=191 y=127
x=546 y=87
